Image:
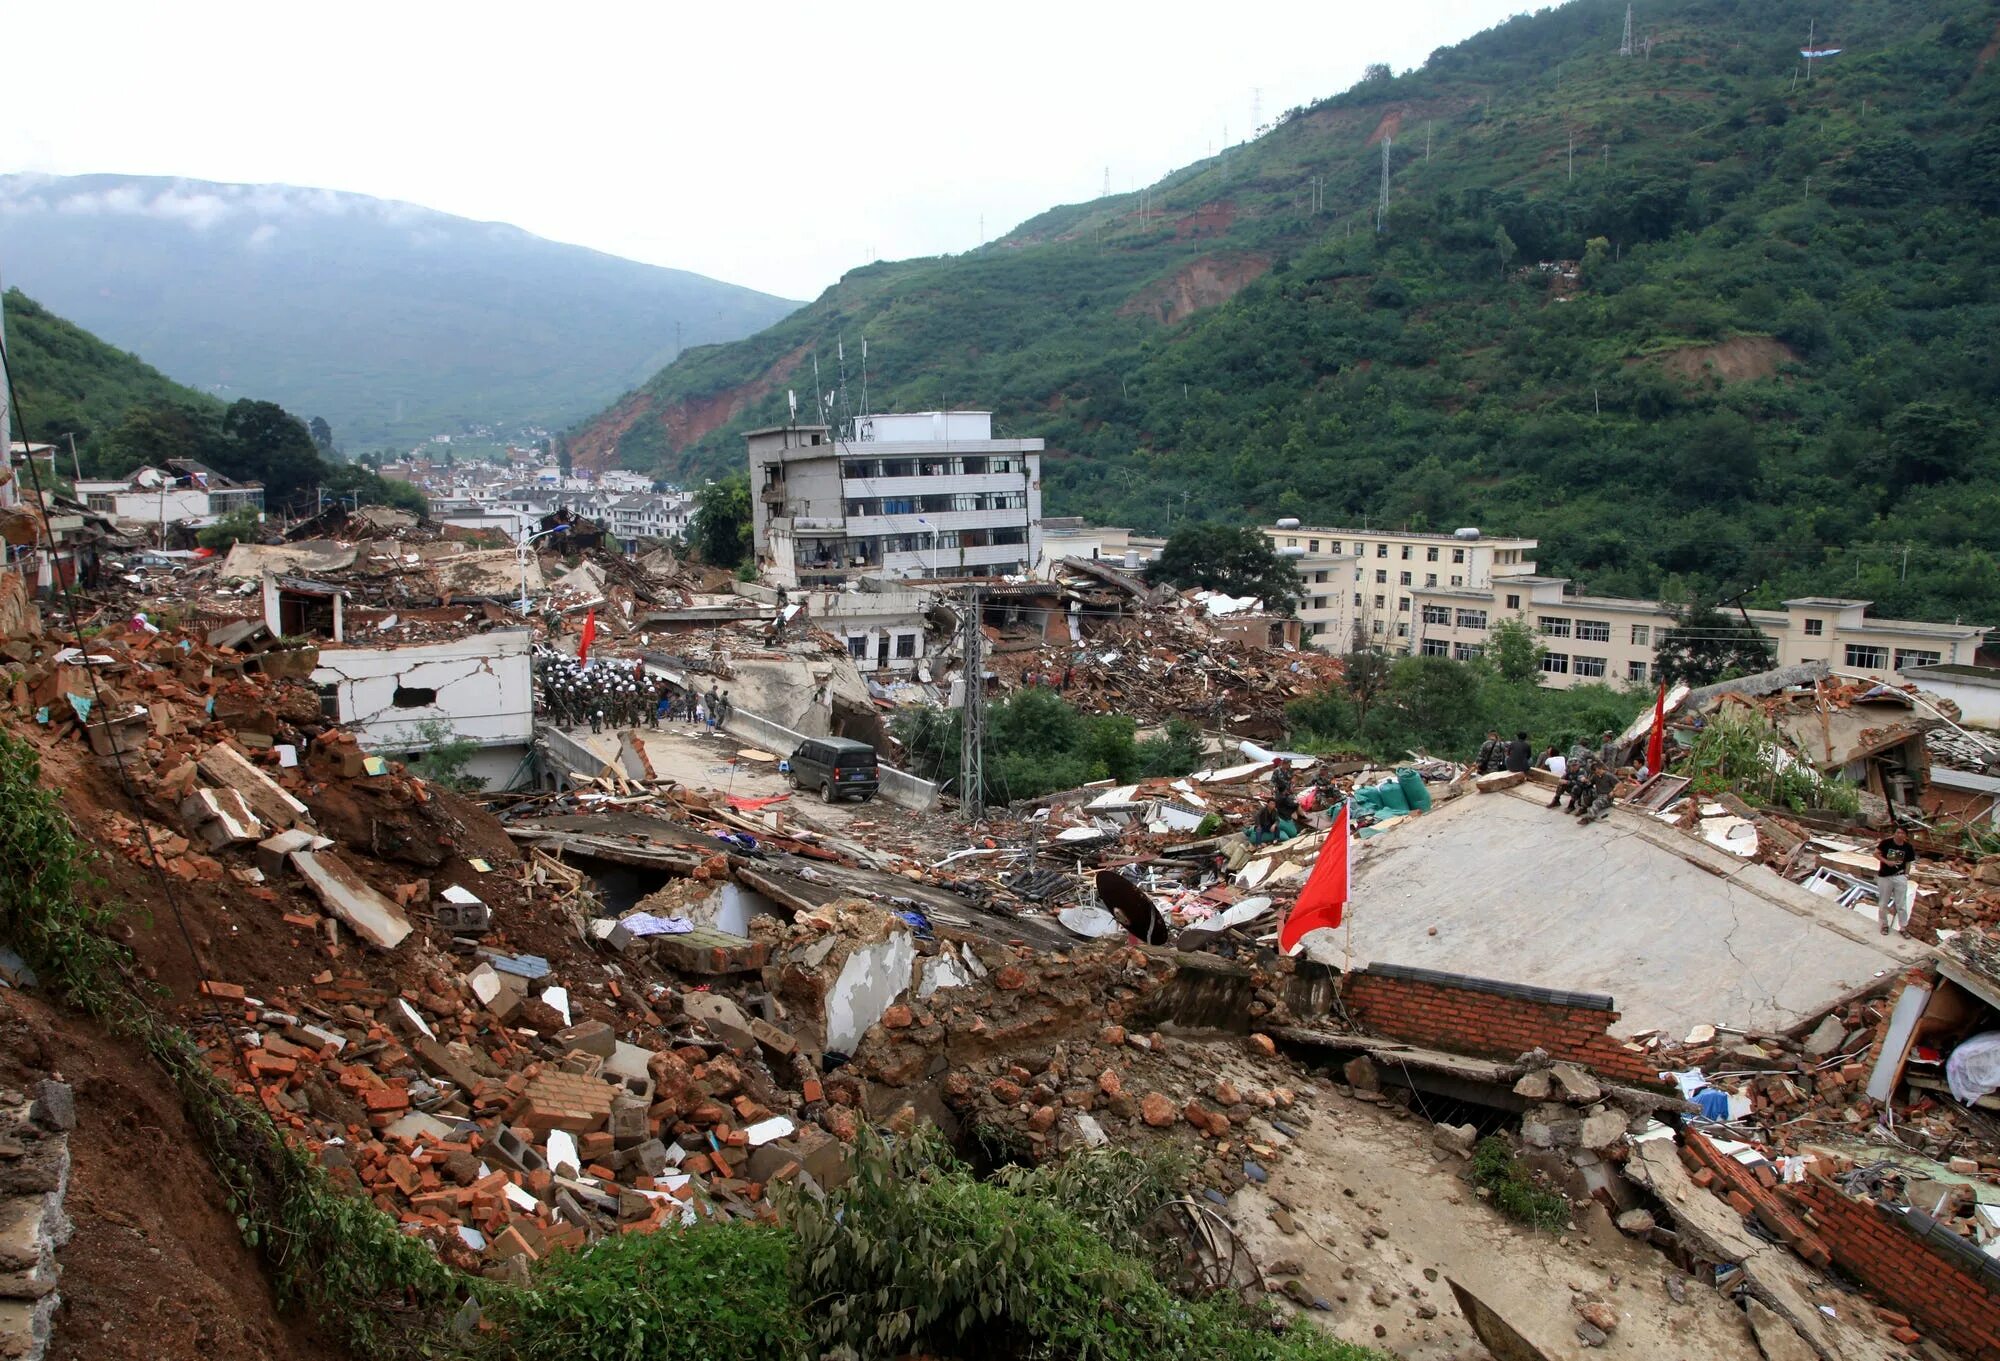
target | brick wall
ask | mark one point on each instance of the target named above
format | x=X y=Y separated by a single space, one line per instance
x=1494 y=1020
x=1949 y=1289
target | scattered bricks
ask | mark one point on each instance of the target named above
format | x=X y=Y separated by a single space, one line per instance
x=1740 y=1203
x=226 y=992
x=697 y=1165
x=564 y=1101
x=1906 y=1336
x=897 y=1017
x=592 y=1037
x=510 y=1243
x=628 y=1126
x=749 y=1111
x=1011 y=978
x=402 y=1172
x=439 y=1061
x=385 y=1100
x=595 y=1147
x=812 y=1091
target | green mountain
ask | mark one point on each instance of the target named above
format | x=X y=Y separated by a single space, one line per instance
x=1768 y=367
x=119 y=412
x=392 y=322
x=71 y=385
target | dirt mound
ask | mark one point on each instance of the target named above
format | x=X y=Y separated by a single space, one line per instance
x=156 y=1269
x=1739 y=359
x=1391 y=124
x=1207 y=282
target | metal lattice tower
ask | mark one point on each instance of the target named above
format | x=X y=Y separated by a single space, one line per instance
x=1382 y=206
x=1625 y=47
x=972 y=737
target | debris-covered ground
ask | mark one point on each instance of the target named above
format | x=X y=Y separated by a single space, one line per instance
x=650 y=993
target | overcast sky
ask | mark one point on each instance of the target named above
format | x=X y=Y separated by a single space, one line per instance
x=774 y=145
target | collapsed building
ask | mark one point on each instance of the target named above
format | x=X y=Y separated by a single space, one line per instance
x=641 y=986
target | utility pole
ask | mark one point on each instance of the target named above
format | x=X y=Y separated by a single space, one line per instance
x=1572 y=158
x=972 y=734
x=1427 y=141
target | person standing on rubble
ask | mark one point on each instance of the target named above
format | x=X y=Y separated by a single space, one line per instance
x=1492 y=753
x=1520 y=755
x=1893 y=894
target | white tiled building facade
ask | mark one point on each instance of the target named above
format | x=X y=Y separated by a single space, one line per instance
x=1441 y=595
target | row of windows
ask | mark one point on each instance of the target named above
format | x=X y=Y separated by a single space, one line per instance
x=971 y=465
x=857 y=646
x=1594 y=668
x=1866 y=657
x=1381 y=549
x=1463 y=652
x=1402 y=578
x=940 y=504
x=1584 y=630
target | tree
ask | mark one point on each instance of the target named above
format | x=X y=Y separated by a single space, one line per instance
x=1375 y=73
x=1365 y=674
x=1503 y=246
x=1705 y=646
x=1928 y=442
x=322 y=435
x=1234 y=559
x=1515 y=651
x=268 y=444
x=1596 y=255
x=721 y=529
x=1431 y=701
x=231 y=529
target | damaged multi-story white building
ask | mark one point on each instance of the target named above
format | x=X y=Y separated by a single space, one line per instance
x=917 y=494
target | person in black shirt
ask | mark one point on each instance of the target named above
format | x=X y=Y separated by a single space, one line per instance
x=1520 y=755
x=1893 y=894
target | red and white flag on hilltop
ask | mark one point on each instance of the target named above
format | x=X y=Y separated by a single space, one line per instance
x=1323 y=901
x=589 y=633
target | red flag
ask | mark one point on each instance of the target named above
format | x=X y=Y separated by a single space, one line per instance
x=1324 y=898
x=589 y=632
x=1656 y=745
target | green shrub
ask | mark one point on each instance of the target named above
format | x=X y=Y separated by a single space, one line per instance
x=913 y=1254
x=714 y=1293
x=1514 y=1191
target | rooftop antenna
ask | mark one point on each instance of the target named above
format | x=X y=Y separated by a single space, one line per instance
x=840 y=351
x=1382 y=207
x=819 y=394
x=1625 y=47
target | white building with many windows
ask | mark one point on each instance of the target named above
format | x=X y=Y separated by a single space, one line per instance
x=920 y=494
x=1439 y=595
x=1360 y=587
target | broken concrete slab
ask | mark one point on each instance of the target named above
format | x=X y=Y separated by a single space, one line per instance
x=227 y=766
x=347 y=896
x=723 y=1019
x=1777 y=1339
x=274 y=852
x=220 y=817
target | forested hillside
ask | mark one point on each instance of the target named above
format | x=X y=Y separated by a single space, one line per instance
x=121 y=412
x=1773 y=371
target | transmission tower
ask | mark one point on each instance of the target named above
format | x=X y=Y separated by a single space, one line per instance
x=1382 y=207
x=1256 y=110
x=1625 y=47
x=972 y=736
x=1107 y=182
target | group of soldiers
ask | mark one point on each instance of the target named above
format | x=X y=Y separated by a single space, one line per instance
x=617 y=695
x=1588 y=779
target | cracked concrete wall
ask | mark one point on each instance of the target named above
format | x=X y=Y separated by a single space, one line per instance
x=484 y=683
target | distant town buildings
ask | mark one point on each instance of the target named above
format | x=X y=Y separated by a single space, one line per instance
x=512 y=499
x=1440 y=595
x=917 y=494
